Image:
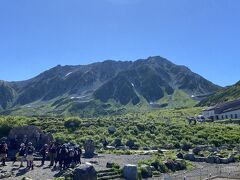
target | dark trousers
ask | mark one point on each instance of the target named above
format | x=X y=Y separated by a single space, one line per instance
x=43 y=159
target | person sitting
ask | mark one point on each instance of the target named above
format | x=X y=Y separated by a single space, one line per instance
x=3 y=152
x=30 y=150
x=44 y=152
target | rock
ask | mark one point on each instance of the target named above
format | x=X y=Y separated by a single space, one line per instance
x=29 y=134
x=146 y=148
x=130 y=172
x=110 y=148
x=170 y=164
x=180 y=155
x=169 y=146
x=231 y=159
x=118 y=142
x=111 y=130
x=200 y=159
x=130 y=144
x=217 y=160
x=153 y=168
x=109 y=165
x=146 y=171
x=85 y=172
x=196 y=150
x=210 y=159
x=89 y=147
x=122 y=148
x=189 y=157
x=186 y=147
x=224 y=160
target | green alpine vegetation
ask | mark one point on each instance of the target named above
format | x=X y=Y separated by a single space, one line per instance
x=164 y=129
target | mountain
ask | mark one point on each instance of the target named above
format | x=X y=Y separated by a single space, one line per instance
x=104 y=87
x=226 y=94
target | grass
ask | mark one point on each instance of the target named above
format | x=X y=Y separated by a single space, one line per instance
x=157 y=128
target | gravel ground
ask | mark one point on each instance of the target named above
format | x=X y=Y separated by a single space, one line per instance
x=45 y=173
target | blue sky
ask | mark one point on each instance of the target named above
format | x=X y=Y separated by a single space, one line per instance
x=36 y=35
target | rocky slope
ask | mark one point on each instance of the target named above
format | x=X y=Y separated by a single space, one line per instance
x=227 y=94
x=100 y=85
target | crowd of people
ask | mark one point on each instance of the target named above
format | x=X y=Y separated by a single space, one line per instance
x=62 y=155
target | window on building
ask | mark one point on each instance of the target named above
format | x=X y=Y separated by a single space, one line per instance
x=217 y=117
x=226 y=116
x=231 y=116
x=222 y=116
x=236 y=116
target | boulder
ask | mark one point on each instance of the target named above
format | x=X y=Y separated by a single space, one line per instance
x=111 y=130
x=231 y=159
x=130 y=144
x=89 y=147
x=189 y=157
x=146 y=171
x=186 y=147
x=196 y=150
x=85 y=172
x=26 y=134
x=180 y=155
x=200 y=159
x=224 y=160
x=109 y=165
x=130 y=172
x=210 y=159
x=118 y=142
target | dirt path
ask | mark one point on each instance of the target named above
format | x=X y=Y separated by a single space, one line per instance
x=45 y=173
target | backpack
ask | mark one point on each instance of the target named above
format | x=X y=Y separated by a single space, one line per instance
x=22 y=151
x=71 y=153
x=30 y=150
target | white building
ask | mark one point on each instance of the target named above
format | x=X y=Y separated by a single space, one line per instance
x=228 y=110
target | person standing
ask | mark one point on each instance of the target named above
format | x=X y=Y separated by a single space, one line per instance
x=52 y=153
x=30 y=150
x=3 y=152
x=77 y=156
x=21 y=154
x=63 y=157
x=44 y=152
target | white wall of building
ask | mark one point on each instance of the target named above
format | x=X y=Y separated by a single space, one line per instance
x=229 y=115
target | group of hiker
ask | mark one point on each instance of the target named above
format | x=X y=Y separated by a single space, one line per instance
x=63 y=155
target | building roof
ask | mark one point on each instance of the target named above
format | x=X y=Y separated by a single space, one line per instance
x=225 y=107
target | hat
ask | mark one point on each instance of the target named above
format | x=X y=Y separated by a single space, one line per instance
x=29 y=143
x=22 y=145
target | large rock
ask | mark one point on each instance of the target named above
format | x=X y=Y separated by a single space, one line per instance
x=85 y=172
x=130 y=172
x=189 y=157
x=29 y=134
x=210 y=159
x=118 y=142
x=89 y=147
x=146 y=171
x=111 y=130
x=196 y=150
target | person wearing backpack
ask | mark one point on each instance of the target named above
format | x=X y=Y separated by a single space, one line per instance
x=30 y=150
x=21 y=154
x=44 y=152
x=71 y=156
x=3 y=152
x=52 y=151
x=63 y=156
x=78 y=153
